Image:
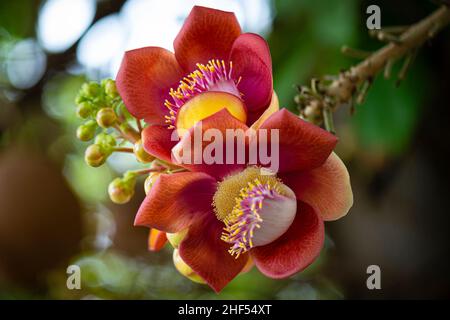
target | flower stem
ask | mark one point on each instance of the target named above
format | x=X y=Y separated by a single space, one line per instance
x=139 y=125
x=132 y=135
x=123 y=149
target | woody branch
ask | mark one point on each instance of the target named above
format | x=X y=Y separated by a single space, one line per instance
x=325 y=96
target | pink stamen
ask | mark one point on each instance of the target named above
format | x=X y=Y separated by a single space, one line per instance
x=245 y=218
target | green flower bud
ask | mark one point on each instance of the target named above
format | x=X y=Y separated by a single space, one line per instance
x=106 y=117
x=184 y=269
x=106 y=141
x=150 y=180
x=130 y=177
x=95 y=155
x=121 y=190
x=141 y=154
x=86 y=131
x=84 y=109
x=91 y=89
x=176 y=238
x=110 y=88
x=79 y=99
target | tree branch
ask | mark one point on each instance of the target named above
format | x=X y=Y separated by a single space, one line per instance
x=342 y=88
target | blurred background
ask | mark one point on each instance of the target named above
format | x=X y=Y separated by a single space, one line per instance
x=55 y=210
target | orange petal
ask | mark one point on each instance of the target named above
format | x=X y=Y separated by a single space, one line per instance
x=206 y=34
x=302 y=145
x=144 y=81
x=175 y=199
x=207 y=255
x=220 y=121
x=327 y=188
x=156 y=240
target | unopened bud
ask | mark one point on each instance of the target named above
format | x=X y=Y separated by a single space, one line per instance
x=184 y=269
x=176 y=238
x=106 y=117
x=86 y=131
x=105 y=140
x=120 y=191
x=79 y=99
x=141 y=154
x=95 y=155
x=110 y=88
x=90 y=90
x=84 y=109
x=150 y=181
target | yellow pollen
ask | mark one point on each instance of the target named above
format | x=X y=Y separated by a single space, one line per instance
x=232 y=188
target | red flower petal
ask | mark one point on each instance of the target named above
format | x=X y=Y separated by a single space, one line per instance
x=144 y=81
x=156 y=240
x=207 y=254
x=220 y=122
x=327 y=188
x=206 y=34
x=302 y=145
x=174 y=199
x=294 y=250
x=156 y=140
x=252 y=62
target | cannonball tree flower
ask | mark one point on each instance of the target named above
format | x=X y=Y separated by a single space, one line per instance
x=214 y=66
x=231 y=213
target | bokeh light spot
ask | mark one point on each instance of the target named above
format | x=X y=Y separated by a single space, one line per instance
x=62 y=22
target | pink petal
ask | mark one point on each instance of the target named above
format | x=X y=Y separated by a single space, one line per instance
x=144 y=81
x=296 y=249
x=327 y=188
x=175 y=199
x=252 y=63
x=206 y=34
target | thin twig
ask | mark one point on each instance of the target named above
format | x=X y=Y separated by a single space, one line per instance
x=139 y=125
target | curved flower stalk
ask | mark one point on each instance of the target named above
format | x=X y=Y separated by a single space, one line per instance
x=274 y=220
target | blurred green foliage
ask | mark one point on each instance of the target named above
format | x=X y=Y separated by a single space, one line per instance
x=17 y=17
x=386 y=121
x=306 y=41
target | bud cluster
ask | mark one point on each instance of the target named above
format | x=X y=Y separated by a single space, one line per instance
x=111 y=128
x=98 y=104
